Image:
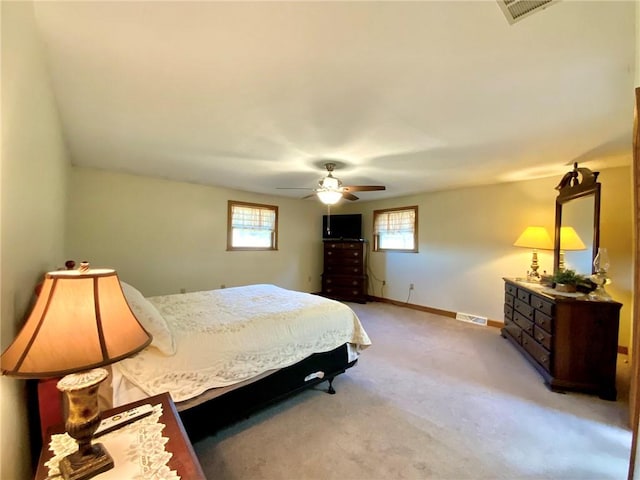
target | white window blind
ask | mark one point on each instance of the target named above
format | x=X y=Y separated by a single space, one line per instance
x=253 y=218
x=395 y=229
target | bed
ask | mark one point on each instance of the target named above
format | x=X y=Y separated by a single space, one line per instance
x=224 y=353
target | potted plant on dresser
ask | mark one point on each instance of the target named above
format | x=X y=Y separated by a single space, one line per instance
x=567 y=280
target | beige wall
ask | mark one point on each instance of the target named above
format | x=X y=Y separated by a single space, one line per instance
x=466 y=244
x=32 y=188
x=164 y=236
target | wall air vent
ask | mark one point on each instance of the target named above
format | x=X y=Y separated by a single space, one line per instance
x=516 y=10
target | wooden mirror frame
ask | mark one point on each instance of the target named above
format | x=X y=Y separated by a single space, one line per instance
x=578 y=183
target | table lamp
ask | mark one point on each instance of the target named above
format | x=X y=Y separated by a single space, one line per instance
x=536 y=238
x=569 y=240
x=80 y=321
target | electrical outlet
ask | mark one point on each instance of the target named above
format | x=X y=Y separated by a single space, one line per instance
x=411 y=286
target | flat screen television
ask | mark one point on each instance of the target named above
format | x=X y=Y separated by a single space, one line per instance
x=345 y=227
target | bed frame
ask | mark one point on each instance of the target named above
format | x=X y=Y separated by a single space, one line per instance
x=204 y=419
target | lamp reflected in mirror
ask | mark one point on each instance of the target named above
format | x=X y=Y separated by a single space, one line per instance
x=569 y=241
x=536 y=238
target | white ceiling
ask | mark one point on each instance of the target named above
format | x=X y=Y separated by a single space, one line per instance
x=417 y=96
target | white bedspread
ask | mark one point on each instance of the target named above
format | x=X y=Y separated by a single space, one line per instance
x=227 y=336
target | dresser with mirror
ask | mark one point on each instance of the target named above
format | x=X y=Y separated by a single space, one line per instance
x=571 y=339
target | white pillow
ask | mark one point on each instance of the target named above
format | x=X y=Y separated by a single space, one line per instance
x=152 y=321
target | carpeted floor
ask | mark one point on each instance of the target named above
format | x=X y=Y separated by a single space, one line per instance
x=432 y=398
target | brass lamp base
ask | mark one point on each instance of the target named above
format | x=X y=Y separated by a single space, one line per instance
x=81 y=467
x=533 y=275
x=82 y=421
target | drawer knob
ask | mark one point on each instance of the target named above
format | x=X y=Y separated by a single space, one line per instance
x=540 y=338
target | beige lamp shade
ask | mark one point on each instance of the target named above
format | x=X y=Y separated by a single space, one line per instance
x=81 y=320
x=534 y=237
x=570 y=240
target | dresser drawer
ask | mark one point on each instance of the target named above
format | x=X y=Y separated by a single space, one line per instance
x=341 y=255
x=537 y=351
x=542 y=337
x=524 y=308
x=544 y=321
x=343 y=246
x=337 y=269
x=344 y=292
x=329 y=260
x=509 y=299
x=343 y=281
x=523 y=322
x=523 y=295
x=541 y=304
x=513 y=329
x=508 y=311
x=510 y=289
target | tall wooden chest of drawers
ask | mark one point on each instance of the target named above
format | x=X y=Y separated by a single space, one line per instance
x=572 y=342
x=344 y=276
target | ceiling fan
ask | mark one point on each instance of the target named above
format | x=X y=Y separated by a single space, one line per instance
x=330 y=189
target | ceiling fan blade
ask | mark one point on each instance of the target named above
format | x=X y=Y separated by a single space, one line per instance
x=308 y=196
x=294 y=188
x=364 y=188
x=349 y=196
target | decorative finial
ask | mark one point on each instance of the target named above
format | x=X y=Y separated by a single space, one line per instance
x=84 y=267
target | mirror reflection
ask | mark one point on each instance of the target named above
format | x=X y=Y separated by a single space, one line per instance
x=576 y=234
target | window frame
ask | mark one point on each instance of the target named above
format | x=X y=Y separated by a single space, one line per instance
x=376 y=236
x=274 y=232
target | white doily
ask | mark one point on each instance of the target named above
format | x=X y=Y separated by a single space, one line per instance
x=138 y=451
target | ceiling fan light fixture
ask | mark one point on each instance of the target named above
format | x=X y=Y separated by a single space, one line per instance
x=329 y=197
x=330 y=183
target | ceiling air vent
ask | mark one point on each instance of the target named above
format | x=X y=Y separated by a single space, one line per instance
x=516 y=10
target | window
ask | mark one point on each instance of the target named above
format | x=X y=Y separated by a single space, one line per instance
x=252 y=226
x=395 y=229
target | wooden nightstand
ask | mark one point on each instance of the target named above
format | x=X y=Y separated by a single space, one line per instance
x=183 y=460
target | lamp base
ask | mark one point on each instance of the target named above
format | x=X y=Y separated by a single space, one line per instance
x=77 y=466
x=82 y=421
